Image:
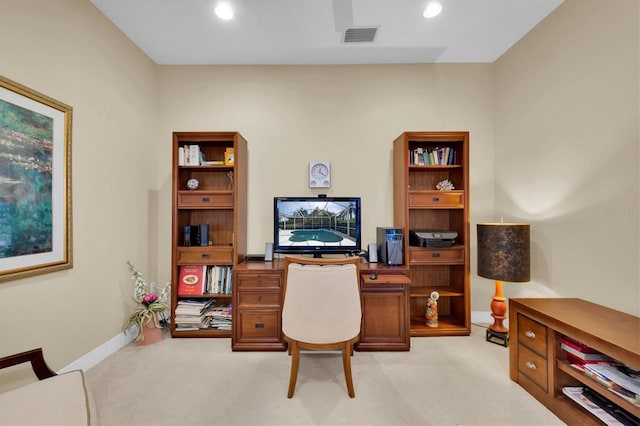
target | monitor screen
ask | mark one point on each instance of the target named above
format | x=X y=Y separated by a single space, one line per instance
x=316 y=225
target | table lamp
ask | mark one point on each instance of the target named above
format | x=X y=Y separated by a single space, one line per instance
x=503 y=255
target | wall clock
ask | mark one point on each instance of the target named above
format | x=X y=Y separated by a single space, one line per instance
x=319 y=174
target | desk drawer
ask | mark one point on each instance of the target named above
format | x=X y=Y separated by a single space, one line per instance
x=259 y=326
x=533 y=335
x=258 y=281
x=533 y=366
x=247 y=299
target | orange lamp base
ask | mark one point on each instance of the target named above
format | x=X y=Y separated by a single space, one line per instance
x=497 y=332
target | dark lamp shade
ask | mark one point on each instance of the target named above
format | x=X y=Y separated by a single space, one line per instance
x=503 y=251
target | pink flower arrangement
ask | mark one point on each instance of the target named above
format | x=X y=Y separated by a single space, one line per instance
x=149 y=299
x=151 y=307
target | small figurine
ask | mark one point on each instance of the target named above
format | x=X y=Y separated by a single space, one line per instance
x=432 y=309
x=192 y=184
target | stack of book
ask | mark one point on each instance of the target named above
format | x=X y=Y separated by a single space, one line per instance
x=579 y=354
x=192 y=314
x=220 y=317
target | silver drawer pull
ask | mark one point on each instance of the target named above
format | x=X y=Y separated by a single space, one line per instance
x=530 y=365
x=530 y=334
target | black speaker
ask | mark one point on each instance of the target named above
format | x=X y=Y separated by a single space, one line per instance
x=390 y=245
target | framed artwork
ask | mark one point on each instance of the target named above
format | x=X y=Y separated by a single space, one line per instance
x=35 y=183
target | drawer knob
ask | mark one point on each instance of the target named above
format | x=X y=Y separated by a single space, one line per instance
x=205 y=256
x=259 y=298
x=530 y=334
x=435 y=199
x=206 y=199
x=530 y=365
x=435 y=254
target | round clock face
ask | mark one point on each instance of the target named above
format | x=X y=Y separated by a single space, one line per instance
x=319 y=171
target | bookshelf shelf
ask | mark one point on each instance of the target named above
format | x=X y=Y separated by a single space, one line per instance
x=419 y=205
x=220 y=204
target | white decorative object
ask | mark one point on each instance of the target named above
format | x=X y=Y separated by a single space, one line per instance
x=192 y=184
x=445 y=185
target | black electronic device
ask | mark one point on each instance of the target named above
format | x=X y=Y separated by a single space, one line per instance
x=432 y=238
x=390 y=245
x=317 y=225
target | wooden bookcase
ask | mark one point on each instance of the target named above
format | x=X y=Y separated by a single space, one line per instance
x=220 y=201
x=419 y=206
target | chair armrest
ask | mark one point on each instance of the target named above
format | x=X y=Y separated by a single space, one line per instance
x=35 y=357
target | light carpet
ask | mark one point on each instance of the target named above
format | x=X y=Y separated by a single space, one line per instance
x=441 y=381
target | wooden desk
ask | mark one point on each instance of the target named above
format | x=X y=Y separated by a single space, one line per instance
x=540 y=366
x=258 y=297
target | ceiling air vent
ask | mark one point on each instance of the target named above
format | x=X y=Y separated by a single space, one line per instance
x=360 y=35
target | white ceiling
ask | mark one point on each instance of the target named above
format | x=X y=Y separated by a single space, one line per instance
x=180 y=32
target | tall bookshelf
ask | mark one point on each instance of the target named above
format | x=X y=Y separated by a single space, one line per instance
x=219 y=201
x=418 y=205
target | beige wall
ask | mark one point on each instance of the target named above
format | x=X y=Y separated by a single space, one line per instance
x=348 y=115
x=68 y=50
x=566 y=91
x=567 y=149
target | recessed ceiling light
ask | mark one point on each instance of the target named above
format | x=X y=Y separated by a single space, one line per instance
x=224 y=11
x=432 y=9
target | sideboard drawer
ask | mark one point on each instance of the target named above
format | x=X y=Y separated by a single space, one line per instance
x=533 y=335
x=533 y=366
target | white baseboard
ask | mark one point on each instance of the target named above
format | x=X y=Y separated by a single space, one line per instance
x=97 y=355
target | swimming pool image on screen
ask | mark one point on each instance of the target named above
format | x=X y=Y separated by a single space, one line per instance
x=316 y=223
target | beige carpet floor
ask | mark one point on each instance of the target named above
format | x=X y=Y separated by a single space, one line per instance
x=441 y=381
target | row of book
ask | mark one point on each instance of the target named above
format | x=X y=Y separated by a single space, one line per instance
x=192 y=155
x=198 y=314
x=196 y=280
x=196 y=235
x=437 y=156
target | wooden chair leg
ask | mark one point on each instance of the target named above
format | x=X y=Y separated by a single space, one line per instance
x=346 y=363
x=295 y=361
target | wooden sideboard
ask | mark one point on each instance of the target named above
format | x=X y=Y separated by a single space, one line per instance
x=539 y=365
x=258 y=297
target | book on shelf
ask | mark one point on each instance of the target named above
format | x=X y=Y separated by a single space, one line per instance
x=609 y=373
x=196 y=235
x=192 y=153
x=582 y=352
x=191 y=280
x=181 y=158
x=219 y=279
x=220 y=317
x=575 y=393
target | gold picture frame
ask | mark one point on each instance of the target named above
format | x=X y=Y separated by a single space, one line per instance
x=35 y=183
